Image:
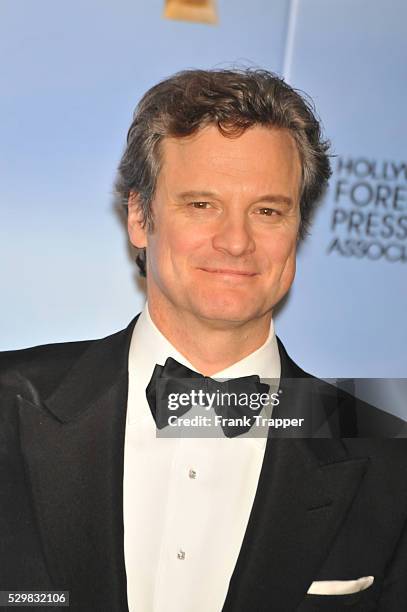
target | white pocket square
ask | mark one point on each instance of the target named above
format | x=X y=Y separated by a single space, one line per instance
x=340 y=587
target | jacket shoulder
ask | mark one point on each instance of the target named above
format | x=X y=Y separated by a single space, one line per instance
x=39 y=367
x=36 y=372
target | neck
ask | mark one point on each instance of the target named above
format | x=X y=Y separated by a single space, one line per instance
x=210 y=346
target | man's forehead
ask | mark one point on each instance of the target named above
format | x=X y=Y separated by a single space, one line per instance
x=258 y=154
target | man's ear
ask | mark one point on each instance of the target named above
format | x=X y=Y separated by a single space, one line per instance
x=135 y=226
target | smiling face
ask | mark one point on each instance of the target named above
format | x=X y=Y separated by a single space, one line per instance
x=226 y=220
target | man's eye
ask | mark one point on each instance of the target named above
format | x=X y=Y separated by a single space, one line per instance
x=268 y=212
x=200 y=205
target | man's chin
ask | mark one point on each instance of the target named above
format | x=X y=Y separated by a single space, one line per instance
x=221 y=316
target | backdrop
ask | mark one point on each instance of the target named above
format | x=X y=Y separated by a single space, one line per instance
x=71 y=75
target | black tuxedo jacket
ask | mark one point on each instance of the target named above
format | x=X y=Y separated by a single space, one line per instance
x=326 y=508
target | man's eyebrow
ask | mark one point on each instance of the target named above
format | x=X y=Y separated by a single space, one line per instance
x=268 y=197
x=184 y=195
x=276 y=198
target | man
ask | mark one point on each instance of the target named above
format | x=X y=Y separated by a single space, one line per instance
x=221 y=173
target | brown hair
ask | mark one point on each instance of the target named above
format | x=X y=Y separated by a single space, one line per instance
x=234 y=100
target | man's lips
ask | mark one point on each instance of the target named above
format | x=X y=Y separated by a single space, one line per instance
x=229 y=272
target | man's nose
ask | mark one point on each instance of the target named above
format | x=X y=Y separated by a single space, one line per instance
x=233 y=235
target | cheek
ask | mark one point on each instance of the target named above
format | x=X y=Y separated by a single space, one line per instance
x=288 y=265
x=280 y=250
x=175 y=248
x=280 y=260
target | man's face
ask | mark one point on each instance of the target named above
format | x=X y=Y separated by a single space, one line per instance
x=226 y=220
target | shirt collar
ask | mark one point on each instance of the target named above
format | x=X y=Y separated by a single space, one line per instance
x=149 y=347
x=265 y=361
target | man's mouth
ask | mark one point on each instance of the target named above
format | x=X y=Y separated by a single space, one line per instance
x=229 y=272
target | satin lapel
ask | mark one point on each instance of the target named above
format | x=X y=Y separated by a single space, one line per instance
x=73 y=449
x=304 y=396
x=305 y=490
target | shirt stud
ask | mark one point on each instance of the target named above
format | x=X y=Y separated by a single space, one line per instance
x=192 y=474
x=181 y=555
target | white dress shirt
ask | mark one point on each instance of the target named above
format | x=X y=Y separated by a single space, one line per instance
x=186 y=501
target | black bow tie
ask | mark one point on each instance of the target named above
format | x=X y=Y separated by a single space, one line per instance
x=174 y=379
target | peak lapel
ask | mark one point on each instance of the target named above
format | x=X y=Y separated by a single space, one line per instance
x=305 y=490
x=73 y=450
